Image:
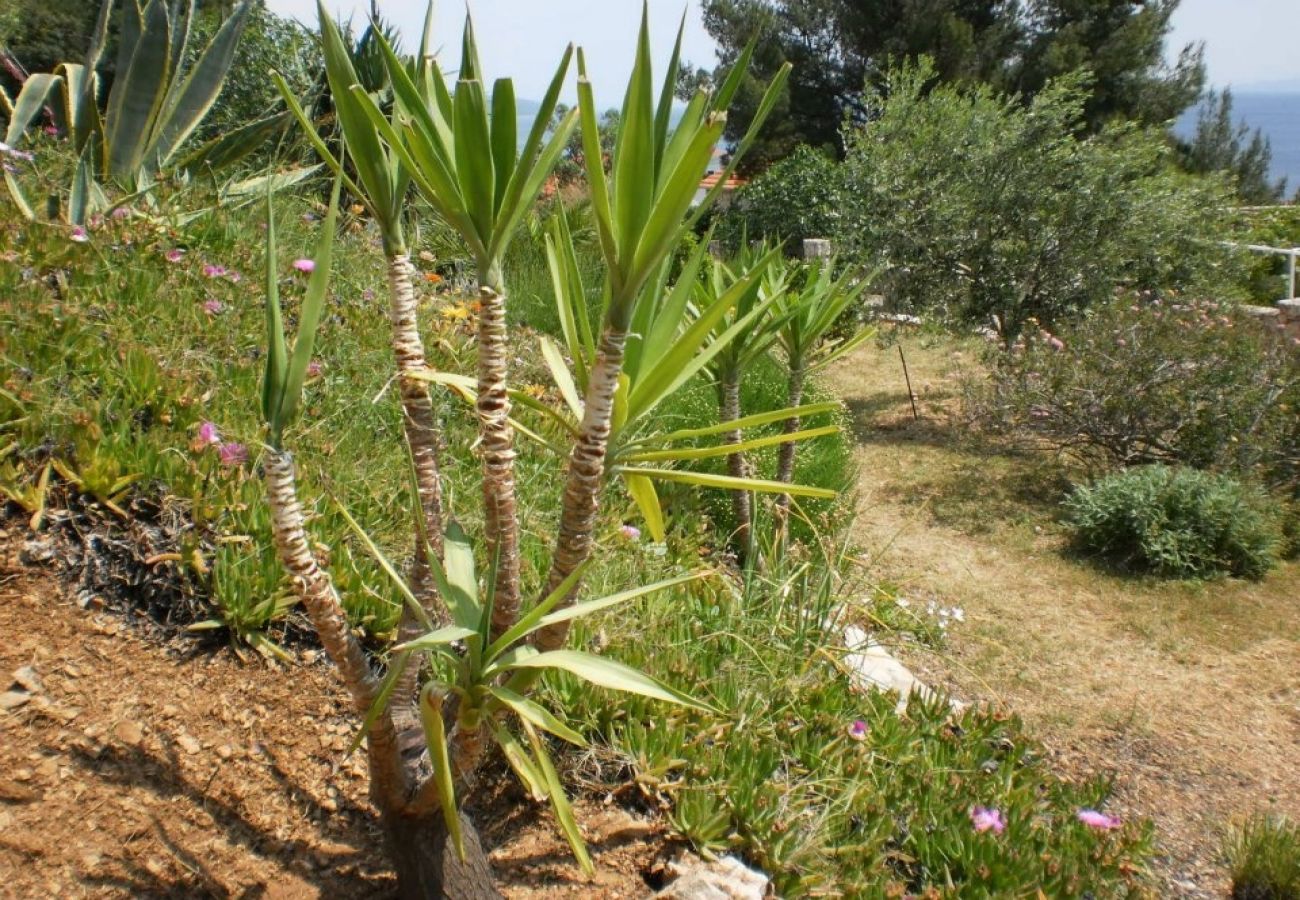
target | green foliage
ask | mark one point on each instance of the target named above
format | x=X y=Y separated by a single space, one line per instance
x=797 y=198
x=1263 y=857
x=1144 y=380
x=1265 y=277
x=1222 y=145
x=993 y=212
x=837 y=46
x=1177 y=523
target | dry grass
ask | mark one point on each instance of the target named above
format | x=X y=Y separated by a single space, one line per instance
x=1189 y=692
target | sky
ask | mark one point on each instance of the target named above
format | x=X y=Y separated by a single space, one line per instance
x=1249 y=43
x=525 y=39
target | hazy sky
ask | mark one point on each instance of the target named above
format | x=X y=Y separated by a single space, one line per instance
x=1247 y=41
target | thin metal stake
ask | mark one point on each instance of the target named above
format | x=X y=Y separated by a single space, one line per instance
x=910 y=396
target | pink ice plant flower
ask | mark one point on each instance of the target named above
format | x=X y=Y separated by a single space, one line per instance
x=79 y=235
x=987 y=819
x=1099 y=820
x=631 y=532
x=314 y=368
x=214 y=307
x=305 y=265
x=233 y=454
x=121 y=212
x=208 y=434
x=174 y=255
x=858 y=730
x=1055 y=342
x=212 y=271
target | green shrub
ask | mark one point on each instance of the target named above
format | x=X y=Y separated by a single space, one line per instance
x=796 y=198
x=1264 y=858
x=1144 y=380
x=1177 y=522
x=992 y=211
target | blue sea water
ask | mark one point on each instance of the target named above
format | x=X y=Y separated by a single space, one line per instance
x=1278 y=116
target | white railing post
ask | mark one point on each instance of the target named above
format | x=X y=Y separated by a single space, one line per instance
x=1290 y=273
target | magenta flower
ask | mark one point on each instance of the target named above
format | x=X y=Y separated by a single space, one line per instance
x=78 y=234
x=631 y=532
x=214 y=307
x=1055 y=342
x=235 y=277
x=304 y=265
x=233 y=454
x=314 y=368
x=121 y=212
x=208 y=434
x=212 y=271
x=987 y=819
x=174 y=255
x=1098 y=820
x=858 y=730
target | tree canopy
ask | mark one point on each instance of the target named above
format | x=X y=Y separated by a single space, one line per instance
x=840 y=47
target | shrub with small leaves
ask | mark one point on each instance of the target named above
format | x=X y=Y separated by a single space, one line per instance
x=1263 y=856
x=1177 y=523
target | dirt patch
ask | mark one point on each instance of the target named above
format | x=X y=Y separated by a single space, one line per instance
x=133 y=769
x=1188 y=695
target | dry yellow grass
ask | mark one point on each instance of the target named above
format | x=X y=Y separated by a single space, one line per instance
x=1189 y=693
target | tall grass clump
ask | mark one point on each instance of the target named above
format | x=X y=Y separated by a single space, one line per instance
x=1263 y=857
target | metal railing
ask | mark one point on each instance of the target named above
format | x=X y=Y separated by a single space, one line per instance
x=1291 y=254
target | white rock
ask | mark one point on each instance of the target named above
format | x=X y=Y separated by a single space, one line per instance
x=723 y=879
x=872 y=667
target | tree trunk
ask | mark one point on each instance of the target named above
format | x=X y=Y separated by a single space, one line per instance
x=388 y=779
x=427 y=864
x=500 y=513
x=422 y=438
x=785 y=456
x=742 y=502
x=585 y=480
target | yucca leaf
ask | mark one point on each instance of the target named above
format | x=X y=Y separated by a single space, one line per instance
x=435 y=639
x=520 y=762
x=309 y=131
x=645 y=496
x=384 y=563
x=527 y=622
x=461 y=583
x=504 y=141
x=277 y=354
x=313 y=305
x=473 y=158
x=560 y=372
x=594 y=163
x=435 y=736
x=605 y=673
x=588 y=607
x=634 y=156
x=536 y=714
x=664 y=112
x=726 y=482
x=560 y=803
x=752 y=421
x=538 y=171
x=678 y=454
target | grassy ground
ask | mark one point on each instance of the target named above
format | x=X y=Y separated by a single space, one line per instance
x=1186 y=690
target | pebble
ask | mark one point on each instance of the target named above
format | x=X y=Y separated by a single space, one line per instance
x=128 y=732
x=14 y=699
x=27 y=679
x=189 y=743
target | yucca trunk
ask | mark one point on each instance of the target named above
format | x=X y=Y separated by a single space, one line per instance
x=500 y=511
x=422 y=437
x=742 y=502
x=786 y=453
x=585 y=479
x=423 y=856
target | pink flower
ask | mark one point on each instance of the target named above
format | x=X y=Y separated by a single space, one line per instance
x=986 y=819
x=121 y=212
x=233 y=454
x=1055 y=342
x=214 y=307
x=1098 y=820
x=174 y=255
x=858 y=730
x=1121 y=342
x=631 y=532
x=212 y=271
x=304 y=265
x=78 y=234
x=208 y=434
x=314 y=368
x=51 y=131
x=235 y=277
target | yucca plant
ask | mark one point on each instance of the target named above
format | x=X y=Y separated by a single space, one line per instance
x=810 y=312
x=665 y=349
x=155 y=104
x=383 y=183
x=728 y=367
x=642 y=208
x=463 y=154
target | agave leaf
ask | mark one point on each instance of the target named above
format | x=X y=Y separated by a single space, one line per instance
x=435 y=735
x=28 y=105
x=234 y=145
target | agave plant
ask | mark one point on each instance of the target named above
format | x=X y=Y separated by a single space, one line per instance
x=811 y=309
x=155 y=104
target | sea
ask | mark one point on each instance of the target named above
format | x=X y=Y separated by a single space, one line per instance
x=1278 y=116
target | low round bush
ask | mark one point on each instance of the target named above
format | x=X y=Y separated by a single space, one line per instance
x=1177 y=523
